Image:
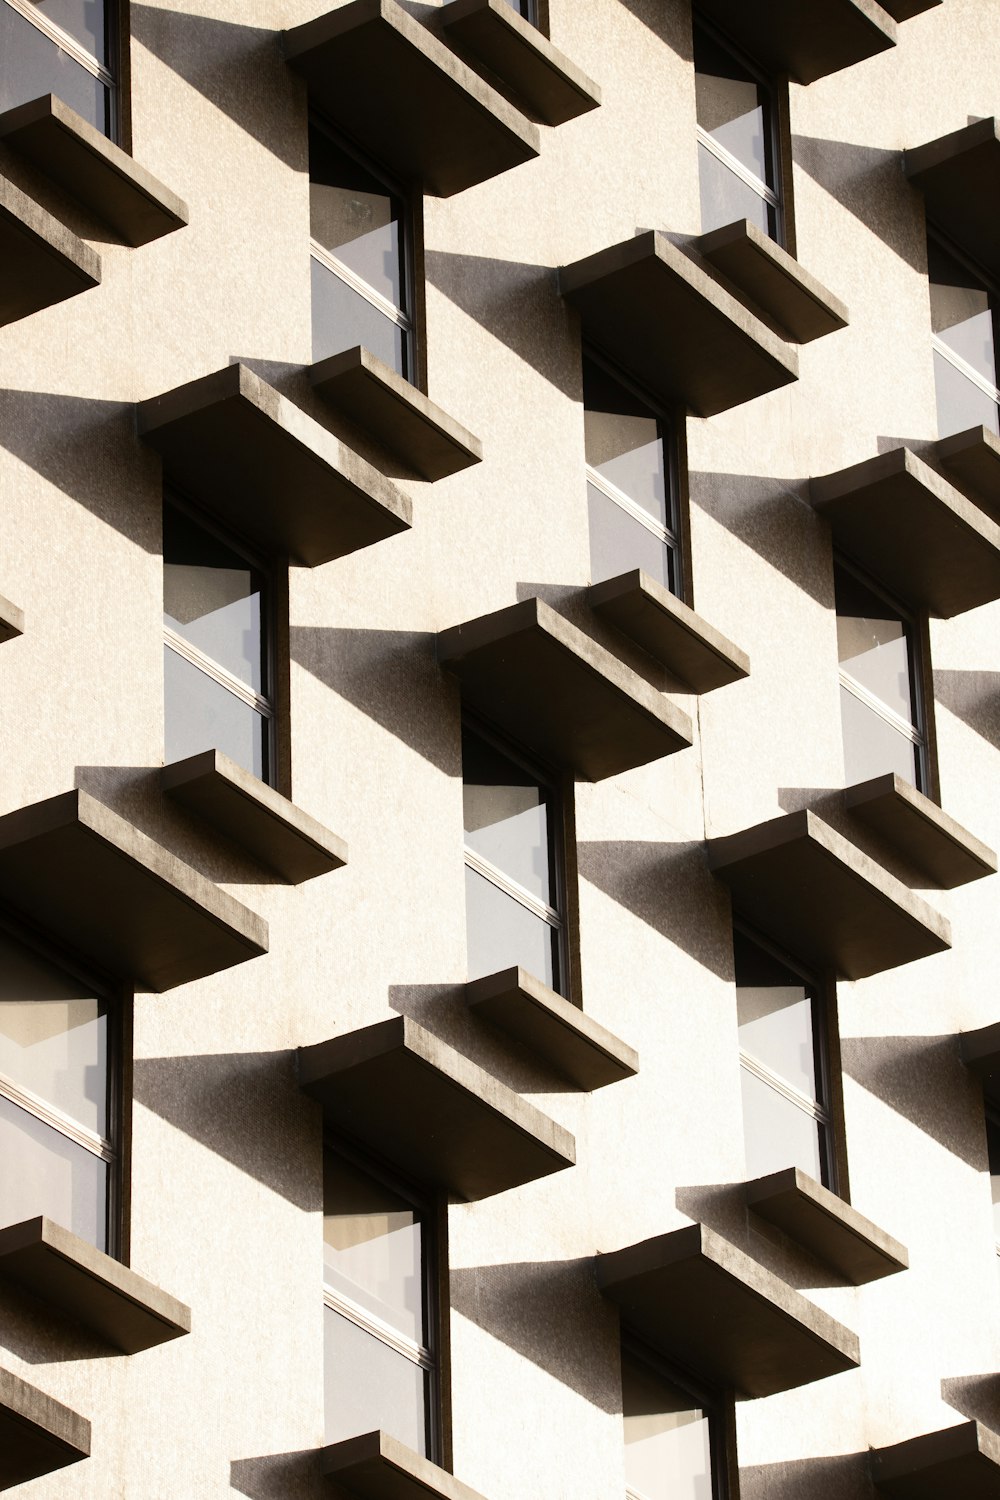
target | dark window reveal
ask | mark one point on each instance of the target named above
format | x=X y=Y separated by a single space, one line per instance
x=736 y=139
x=61 y=47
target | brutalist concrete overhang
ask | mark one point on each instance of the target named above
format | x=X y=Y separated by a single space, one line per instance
x=76 y=1279
x=914 y=531
x=981 y=1052
x=540 y=77
x=544 y=682
x=74 y=154
x=959 y=176
x=270 y=828
x=826 y=1226
x=669 y=323
x=824 y=900
x=401 y=92
x=268 y=470
x=11 y=620
x=807 y=41
x=437 y=1116
x=800 y=305
x=920 y=830
x=38 y=1435
x=79 y=871
x=573 y=1044
x=904 y=10
x=973 y=457
x=704 y=1303
x=698 y=655
x=41 y=261
x=375 y=1466
x=961 y=1461
x=395 y=413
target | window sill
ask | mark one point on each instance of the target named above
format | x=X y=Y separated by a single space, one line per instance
x=376 y=1466
x=87 y=876
x=913 y=531
x=542 y=79
x=670 y=324
x=423 y=113
x=823 y=899
x=700 y=657
x=374 y=1083
x=393 y=412
x=271 y=829
x=545 y=683
x=974 y=458
x=701 y=1301
x=268 y=470
x=104 y=1296
x=102 y=176
x=11 y=620
x=962 y=1460
x=826 y=1226
x=920 y=831
x=959 y=176
x=43 y=263
x=768 y=275
x=807 y=42
x=574 y=1045
x=38 y=1435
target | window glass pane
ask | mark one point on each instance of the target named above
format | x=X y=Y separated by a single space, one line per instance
x=775 y=1013
x=83 y=19
x=623 y=442
x=668 y=1453
x=960 y=402
x=776 y=1133
x=200 y=714
x=619 y=542
x=993 y=1149
x=355 y=216
x=501 y=933
x=726 y=197
x=369 y=1386
x=872 y=746
x=373 y=1246
x=525 y=8
x=32 y=65
x=45 y=1173
x=873 y=644
x=213 y=598
x=53 y=1036
x=506 y=815
x=731 y=105
x=961 y=312
x=342 y=318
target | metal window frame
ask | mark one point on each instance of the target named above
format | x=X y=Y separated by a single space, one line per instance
x=74 y=49
x=940 y=237
x=716 y=1404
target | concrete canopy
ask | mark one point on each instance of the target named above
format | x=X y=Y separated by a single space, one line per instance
x=376 y=1466
x=42 y=262
x=809 y=42
x=961 y=1460
x=38 y=1435
x=959 y=176
x=825 y=1225
x=771 y=278
x=542 y=79
x=697 y=654
x=919 y=830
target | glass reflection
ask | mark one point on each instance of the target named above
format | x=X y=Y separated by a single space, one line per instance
x=726 y=197
x=623 y=442
x=731 y=105
x=85 y=20
x=31 y=64
x=369 y=1385
x=961 y=311
x=961 y=403
x=46 y=1173
x=212 y=597
x=354 y=215
x=506 y=814
x=200 y=714
x=501 y=933
x=993 y=1151
x=619 y=542
x=875 y=648
x=373 y=1246
x=342 y=319
x=872 y=746
x=776 y=1132
x=668 y=1449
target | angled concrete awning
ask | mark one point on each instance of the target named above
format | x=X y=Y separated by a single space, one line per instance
x=820 y=897
x=974 y=459
x=919 y=830
x=914 y=531
x=11 y=620
x=70 y=1275
x=376 y=1466
x=695 y=1297
x=961 y=1461
x=670 y=324
x=542 y=79
x=807 y=41
x=70 y=151
x=574 y=1045
x=771 y=278
x=981 y=1052
x=826 y=1226
x=959 y=176
x=693 y=651
x=437 y=1116
x=41 y=261
x=79 y=871
x=38 y=1435
x=544 y=682
x=405 y=96
x=269 y=827
x=395 y=413
x=247 y=453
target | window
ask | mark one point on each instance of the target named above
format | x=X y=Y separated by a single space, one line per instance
x=513 y=879
x=674 y=1433
x=217 y=657
x=379 y=1311
x=993 y=1153
x=58 y=1133
x=631 y=488
x=526 y=8
x=360 y=256
x=737 y=139
x=63 y=47
x=963 y=337
x=880 y=701
x=786 y=1116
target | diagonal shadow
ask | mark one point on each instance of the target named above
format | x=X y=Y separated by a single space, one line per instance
x=975 y=1396
x=773 y=518
x=973 y=697
x=280 y=1476
x=40 y=1334
x=668 y=22
x=868 y=181
x=923 y=1079
x=838 y=1476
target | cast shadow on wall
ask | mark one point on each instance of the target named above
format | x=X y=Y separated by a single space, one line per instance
x=923 y=1079
x=868 y=181
x=773 y=518
x=280 y=1476
x=973 y=697
x=837 y=1476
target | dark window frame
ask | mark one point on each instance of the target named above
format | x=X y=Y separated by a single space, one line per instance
x=718 y=1404
x=115 y=73
x=938 y=235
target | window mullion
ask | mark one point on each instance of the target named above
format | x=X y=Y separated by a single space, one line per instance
x=636 y=511
x=62 y=39
x=48 y=1114
x=357 y=284
x=225 y=679
x=737 y=168
x=763 y=1074
x=519 y=893
x=959 y=364
x=889 y=715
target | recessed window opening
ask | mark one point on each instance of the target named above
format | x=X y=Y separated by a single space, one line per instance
x=737 y=138
x=526 y=8
x=993 y=1152
x=61 y=47
x=674 y=1438
x=964 y=340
